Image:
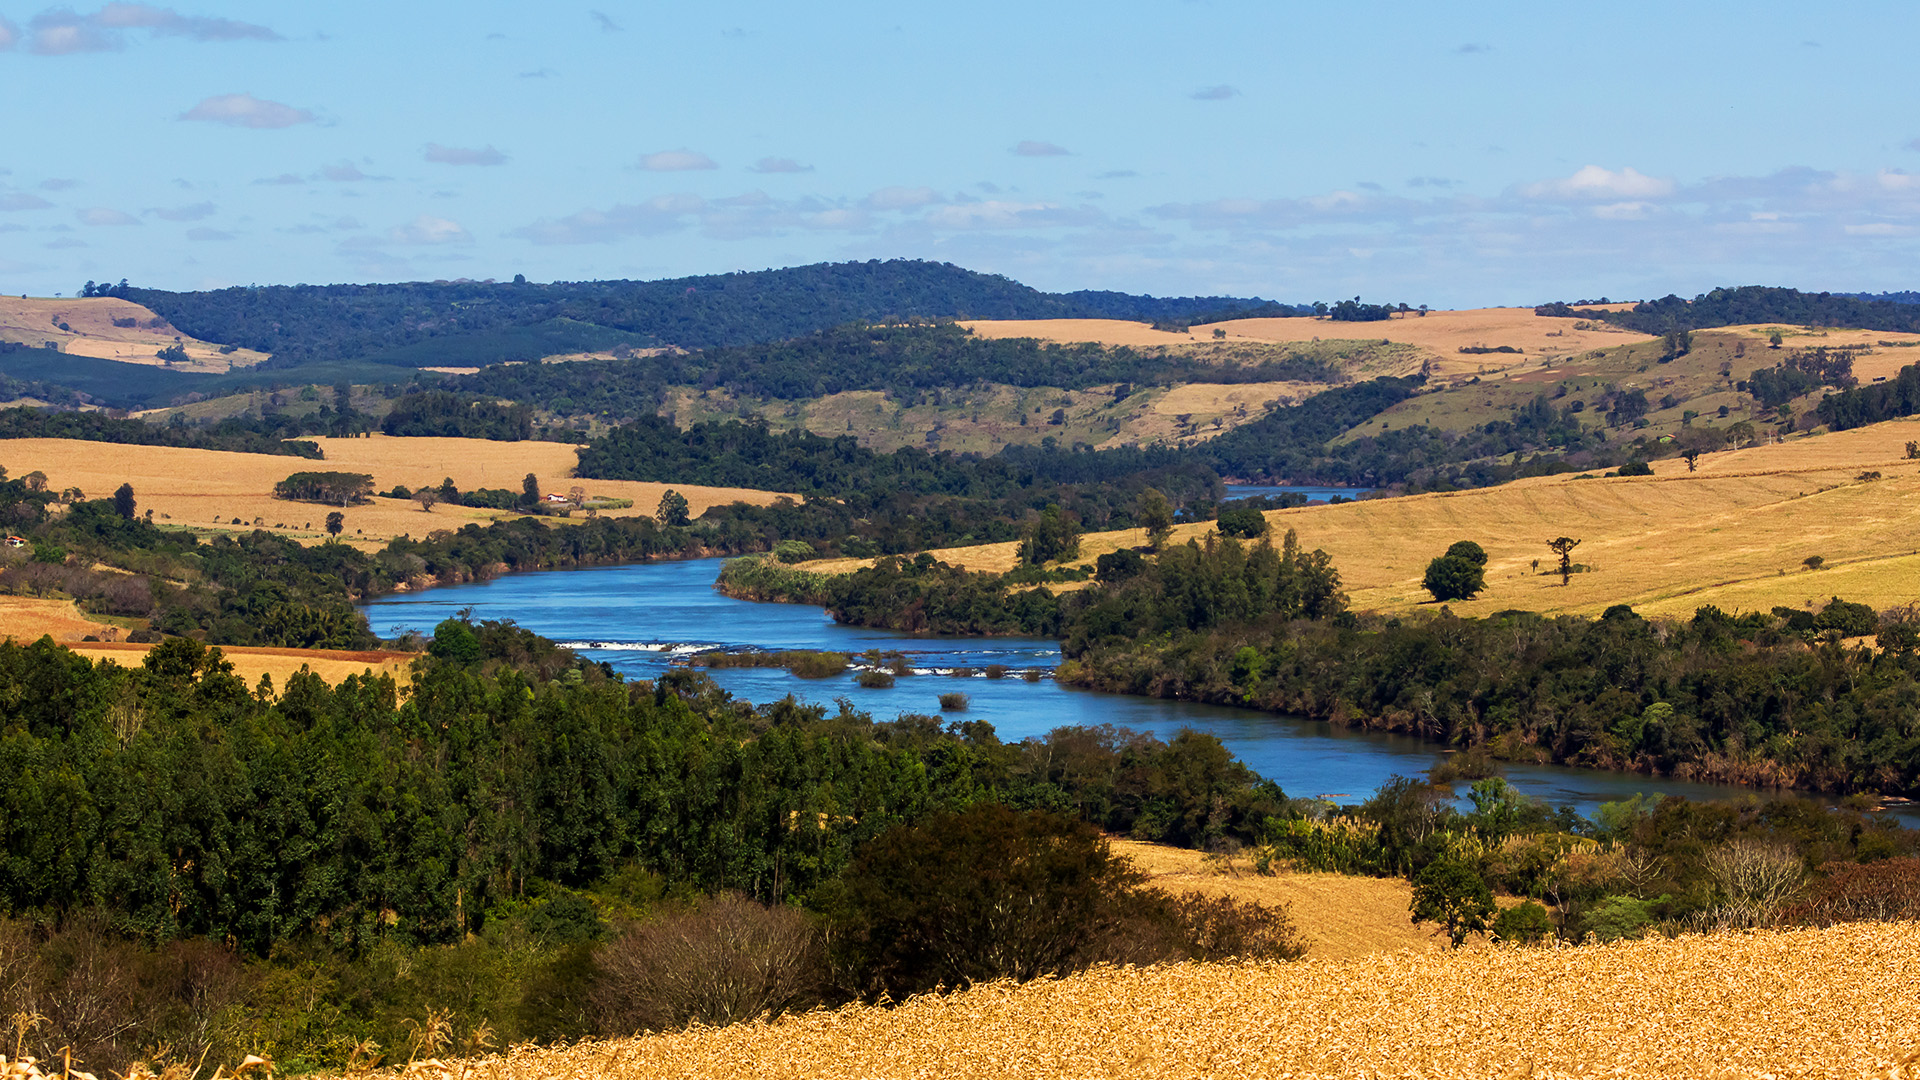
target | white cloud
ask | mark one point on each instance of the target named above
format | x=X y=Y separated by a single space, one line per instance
x=61 y=31
x=901 y=198
x=456 y=155
x=1033 y=148
x=245 y=110
x=20 y=200
x=101 y=215
x=996 y=214
x=1622 y=211
x=195 y=212
x=780 y=165
x=429 y=230
x=1879 y=228
x=654 y=217
x=676 y=161
x=1595 y=182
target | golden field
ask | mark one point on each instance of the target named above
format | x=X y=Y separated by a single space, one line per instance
x=90 y=332
x=207 y=489
x=1339 y=916
x=1440 y=334
x=1804 y=1003
x=1734 y=534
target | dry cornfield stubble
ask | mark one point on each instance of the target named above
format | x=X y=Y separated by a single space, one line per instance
x=1805 y=1003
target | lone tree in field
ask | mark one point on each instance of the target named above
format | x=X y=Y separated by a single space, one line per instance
x=336 y=521
x=1563 y=547
x=123 y=501
x=426 y=497
x=1451 y=892
x=530 y=490
x=1156 y=516
x=673 y=509
x=1459 y=574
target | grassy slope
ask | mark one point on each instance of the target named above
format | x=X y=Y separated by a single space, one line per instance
x=1734 y=533
x=1805 y=1003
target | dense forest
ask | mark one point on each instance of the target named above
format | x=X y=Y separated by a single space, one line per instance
x=238 y=436
x=423 y=324
x=1752 y=304
x=1874 y=402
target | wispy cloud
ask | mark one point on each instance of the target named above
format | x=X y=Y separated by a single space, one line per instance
x=677 y=161
x=606 y=25
x=247 y=111
x=59 y=183
x=456 y=155
x=427 y=230
x=1117 y=174
x=1215 y=93
x=779 y=165
x=998 y=214
x=20 y=200
x=1471 y=48
x=654 y=217
x=195 y=212
x=101 y=215
x=346 y=172
x=1911 y=144
x=1033 y=148
x=62 y=31
x=539 y=73
x=285 y=179
x=9 y=34
x=901 y=198
x=203 y=235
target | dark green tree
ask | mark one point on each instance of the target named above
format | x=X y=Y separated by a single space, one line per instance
x=1050 y=537
x=123 y=501
x=1563 y=547
x=1450 y=892
x=336 y=521
x=1460 y=574
x=1156 y=516
x=673 y=509
x=529 y=490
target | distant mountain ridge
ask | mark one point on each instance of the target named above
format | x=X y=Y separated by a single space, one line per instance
x=464 y=323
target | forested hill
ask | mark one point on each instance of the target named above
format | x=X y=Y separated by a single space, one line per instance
x=465 y=323
x=1750 y=304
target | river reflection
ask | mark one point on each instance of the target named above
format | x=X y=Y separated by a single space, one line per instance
x=642 y=618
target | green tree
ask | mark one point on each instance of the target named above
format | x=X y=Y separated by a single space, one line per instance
x=1460 y=574
x=123 y=501
x=1050 y=537
x=1450 y=892
x=673 y=509
x=336 y=521
x=529 y=490
x=1156 y=516
x=1523 y=924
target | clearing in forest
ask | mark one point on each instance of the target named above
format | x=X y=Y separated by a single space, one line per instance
x=88 y=327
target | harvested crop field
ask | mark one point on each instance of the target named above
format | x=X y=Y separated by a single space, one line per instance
x=1805 y=1003
x=30 y=618
x=1445 y=333
x=1094 y=331
x=250 y=662
x=207 y=489
x=1340 y=916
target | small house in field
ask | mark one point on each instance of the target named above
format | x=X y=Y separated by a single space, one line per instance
x=550 y=497
x=16 y=541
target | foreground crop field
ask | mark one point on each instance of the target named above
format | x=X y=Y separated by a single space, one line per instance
x=1806 y=1003
x=1734 y=534
x=207 y=489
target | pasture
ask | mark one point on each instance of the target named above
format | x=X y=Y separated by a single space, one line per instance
x=1735 y=534
x=207 y=490
x=90 y=331
x=1804 y=1003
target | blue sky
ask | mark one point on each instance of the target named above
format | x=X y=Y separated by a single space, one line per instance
x=1510 y=153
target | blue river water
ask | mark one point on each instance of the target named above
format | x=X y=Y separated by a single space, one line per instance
x=1313 y=493
x=641 y=619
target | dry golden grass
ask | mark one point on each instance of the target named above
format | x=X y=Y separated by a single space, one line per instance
x=1733 y=534
x=1807 y=1003
x=1206 y=400
x=1339 y=916
x=1444 y=333
x=207 y=489
x=1093 y=331
x=91 y=333
x=26 y=618
x=250 y=661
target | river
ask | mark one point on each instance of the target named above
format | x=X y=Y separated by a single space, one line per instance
x=641 y=618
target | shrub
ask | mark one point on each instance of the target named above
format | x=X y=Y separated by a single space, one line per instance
x=1882 y=891
x=793 y=551
x=874 y=680
x=1450 y=892
x=1636 y=468
x=1852 y=620
x=1245 y=522
x=954 y=702
x=726 y=960
x=1618 y=917
x=981 y=894
x=1523 y=924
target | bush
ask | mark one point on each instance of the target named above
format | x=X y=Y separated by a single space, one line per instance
x=1242 y=522
x=1450 y=577
x=1450 y=892
x=874 y=680
x=793 y=551
x=1883 y=891
x=1619 y=917
x=1636 y=468
x=982 y=894
x=954 y=702
x=1852 y=620
x=723 y=961
x=1523 y=924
